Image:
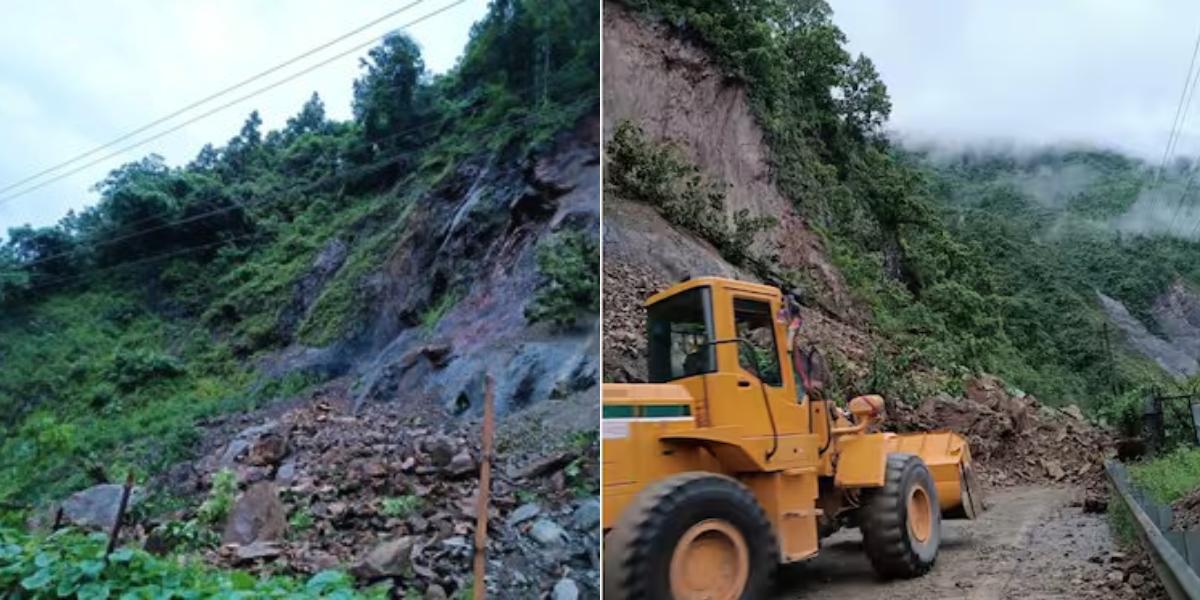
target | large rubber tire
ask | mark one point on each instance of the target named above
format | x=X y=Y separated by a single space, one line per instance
x=902 y=521
x=640 y=550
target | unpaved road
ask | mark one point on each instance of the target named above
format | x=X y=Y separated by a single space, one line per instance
x=1030 y=544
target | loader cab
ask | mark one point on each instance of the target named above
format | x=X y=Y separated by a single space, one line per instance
x=724 y=341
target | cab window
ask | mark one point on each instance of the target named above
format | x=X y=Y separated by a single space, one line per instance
x=679 y=336
x=757 y=355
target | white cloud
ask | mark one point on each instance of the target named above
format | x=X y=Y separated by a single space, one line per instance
x=1030 y=72
x=75 y=74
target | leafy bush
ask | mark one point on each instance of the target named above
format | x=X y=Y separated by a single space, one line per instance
x=569 y=262
x=133 y=368
x=658 y=174
x=68 y=564
x=188 y=536
x=220 y=499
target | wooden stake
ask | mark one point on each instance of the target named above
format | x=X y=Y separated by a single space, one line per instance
x=485 y=488
x=116 y=528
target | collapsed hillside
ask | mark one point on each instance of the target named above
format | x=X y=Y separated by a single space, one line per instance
x=918 y=267
x=382 y=265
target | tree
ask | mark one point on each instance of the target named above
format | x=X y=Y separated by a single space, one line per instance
x=384 y=94
x=864 y=102
x=14 y=278
x=45 y=251
x=244 y=151
x=310 y=119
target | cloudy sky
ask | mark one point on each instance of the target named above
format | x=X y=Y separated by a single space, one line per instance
x=75 y=74
x=1030 y=72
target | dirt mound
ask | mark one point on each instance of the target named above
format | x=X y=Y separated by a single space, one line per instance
x=389 y=492
x=1187 y=512
x=1014 y=438
x=626 y=287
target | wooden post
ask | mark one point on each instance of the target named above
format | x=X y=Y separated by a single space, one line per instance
x=116 y=528
x=485 y=484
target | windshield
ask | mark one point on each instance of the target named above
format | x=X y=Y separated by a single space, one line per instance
x=679 y=332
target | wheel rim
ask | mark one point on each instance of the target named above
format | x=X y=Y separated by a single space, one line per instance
x=710 y=562
x=920 y=514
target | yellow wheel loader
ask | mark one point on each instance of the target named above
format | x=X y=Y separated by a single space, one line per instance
x=731 y=461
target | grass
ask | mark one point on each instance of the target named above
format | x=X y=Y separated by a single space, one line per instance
x=1169 y=477
x=438 y=309
x=1120 y=521
x=401 y=506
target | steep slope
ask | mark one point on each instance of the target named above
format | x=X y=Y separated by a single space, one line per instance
x=301 y=321
x=674 y=92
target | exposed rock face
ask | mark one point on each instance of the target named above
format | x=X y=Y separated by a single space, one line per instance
x=470 y=247
x=257 y=516
x=674 y=91
x=1171 y=357
x=97 y=506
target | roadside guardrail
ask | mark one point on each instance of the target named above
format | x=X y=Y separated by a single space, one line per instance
x=1175 y=554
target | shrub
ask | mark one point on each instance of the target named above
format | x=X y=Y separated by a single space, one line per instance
x=401 y=506
x=657 y=174
x=67 y=564
x=569 y=261
x=216 y=507
x=132 y=369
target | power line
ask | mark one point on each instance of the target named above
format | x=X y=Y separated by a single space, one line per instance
x=279 y=196
x=1187 y=82
x=222 y=107
x=213 y=96
x=303 y=187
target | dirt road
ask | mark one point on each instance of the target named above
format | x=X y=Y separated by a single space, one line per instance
x=1030 y=545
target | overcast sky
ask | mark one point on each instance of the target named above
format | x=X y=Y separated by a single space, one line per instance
x=1031 y=72
x=75 y=74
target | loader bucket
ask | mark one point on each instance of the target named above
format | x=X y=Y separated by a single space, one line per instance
x=949 y=460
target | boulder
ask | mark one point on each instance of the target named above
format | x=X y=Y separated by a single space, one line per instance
x=566 y=589
x=257 y=516
x=587 y=515
x=547 y=532
x=97 y=506
x=441 y=450
x=461 y=465
x=392 y=558
x=257 y=551
x=524 y=513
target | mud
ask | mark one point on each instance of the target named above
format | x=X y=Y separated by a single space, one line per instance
x=1030 y=544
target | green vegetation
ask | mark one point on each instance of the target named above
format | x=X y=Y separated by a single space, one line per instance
x=569 y=262
x=658 y=174
x=979 y=262
x=1169 y=477
x=301 y=520
x=127 y=322
x=402 y=506
x=220 y=498
x=433 y=315
x=67 y=564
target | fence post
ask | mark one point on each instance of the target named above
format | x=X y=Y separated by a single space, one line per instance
x=1152 y=421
